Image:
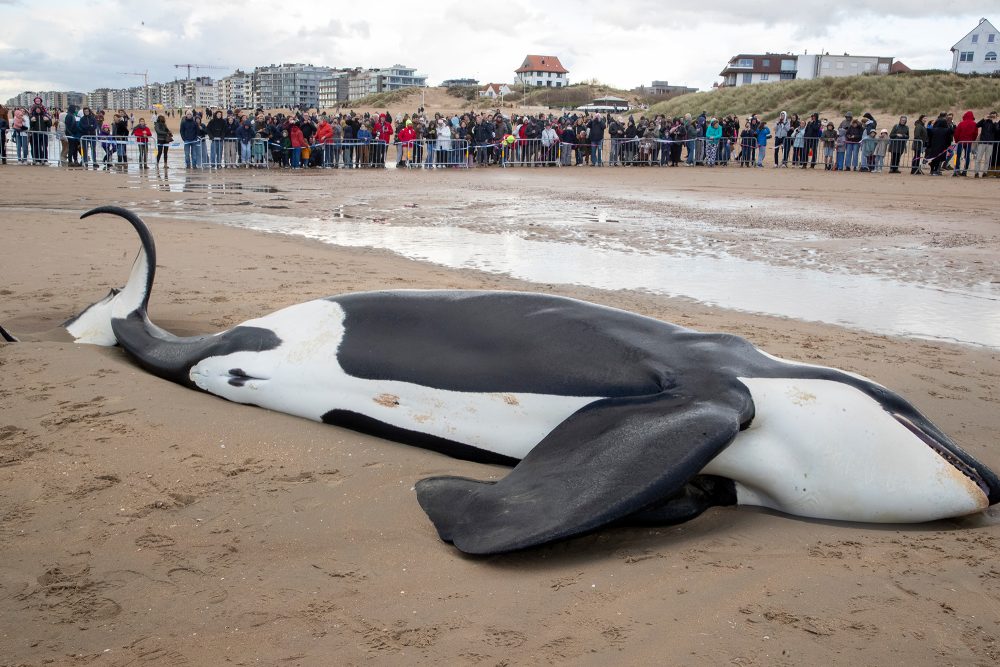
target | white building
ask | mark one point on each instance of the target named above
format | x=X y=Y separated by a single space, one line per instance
x=288 y=86
x=542 y=71
x=334 y=90
x=494 y=90
x=52 y=99
x=750 y=68
x=205 y=93
x=364 y=82
x=825 y=64
x=235 y=91
x=101 y=98
x=976 y=53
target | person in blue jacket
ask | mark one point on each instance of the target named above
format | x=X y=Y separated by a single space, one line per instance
x=191 y=140
x=364 y=138
x=763 y=132
x=244 y=133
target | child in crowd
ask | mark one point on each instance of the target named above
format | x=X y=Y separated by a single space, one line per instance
x=286 y=149
x=841 y=146
x=881 y=144
x=142 y=134
x=107 y=144
x=829 y=145
x=798 y=145
x=748 y=146
x=258 y=150
x=868 y=151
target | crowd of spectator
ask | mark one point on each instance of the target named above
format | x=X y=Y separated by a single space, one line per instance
x=347 y=139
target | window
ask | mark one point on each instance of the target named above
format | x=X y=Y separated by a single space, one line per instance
x=991 y=38
x=975 y=39
x=826 y=64
x=766 y=62
x=745 y=62
x=748 y=78
x=991 y=56
x=787 y=76
x=965 y=57
x=788 y=65
x=840 y=64
x=765 y=76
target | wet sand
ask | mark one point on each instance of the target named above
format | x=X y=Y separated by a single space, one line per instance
x=142 y=522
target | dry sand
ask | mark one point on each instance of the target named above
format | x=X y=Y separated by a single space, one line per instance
x=145 y=523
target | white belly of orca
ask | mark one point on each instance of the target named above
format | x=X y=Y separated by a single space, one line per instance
x=302 y=377
x=808 y=453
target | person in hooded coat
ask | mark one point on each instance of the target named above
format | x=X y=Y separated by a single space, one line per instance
x=72 y=128
x=940 y=140
x=988 y=148
x=39 y=124
x=782 y=132
x=966 y=134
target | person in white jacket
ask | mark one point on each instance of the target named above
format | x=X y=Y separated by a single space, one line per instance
x=550 y=139
x=782 y=128
x=443 y=143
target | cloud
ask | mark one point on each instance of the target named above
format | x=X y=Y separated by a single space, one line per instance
x=85 y=45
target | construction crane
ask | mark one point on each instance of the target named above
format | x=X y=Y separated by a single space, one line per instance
x=145 y=84
x=188 y=101
x=190 y=65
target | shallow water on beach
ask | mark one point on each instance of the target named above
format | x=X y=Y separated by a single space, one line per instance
x=695 y=270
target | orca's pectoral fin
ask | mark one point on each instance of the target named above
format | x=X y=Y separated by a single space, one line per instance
x=611 y=459
x=702 y=492
x=7 y=336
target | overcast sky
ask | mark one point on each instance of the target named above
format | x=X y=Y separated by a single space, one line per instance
x=85 y=44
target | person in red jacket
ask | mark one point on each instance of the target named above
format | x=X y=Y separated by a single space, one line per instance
x=142 y=134
x=406 y=137
x=382 y=135
x=965 y=135
x=324 y=138
x=298 y=143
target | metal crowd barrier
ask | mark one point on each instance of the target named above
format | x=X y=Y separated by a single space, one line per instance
x=528 y=153
x=869 y=155
x=31 y=147
x=338 y=154
x=435 y=154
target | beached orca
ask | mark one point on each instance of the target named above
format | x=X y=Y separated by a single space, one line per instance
x=607 y=416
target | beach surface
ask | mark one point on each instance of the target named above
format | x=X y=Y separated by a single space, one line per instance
x=142 y=522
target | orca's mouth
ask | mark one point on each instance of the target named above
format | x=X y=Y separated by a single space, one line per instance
x=955 y=457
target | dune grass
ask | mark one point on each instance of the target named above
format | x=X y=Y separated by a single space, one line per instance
x=385 y=99
x=912 y=93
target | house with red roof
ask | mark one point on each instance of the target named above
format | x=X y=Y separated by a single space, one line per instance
x=544 y=71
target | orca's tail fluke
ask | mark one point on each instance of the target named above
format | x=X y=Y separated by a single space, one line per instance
x=7 y=336
x=93 y=325
x=135 y=295
x=121 y=316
